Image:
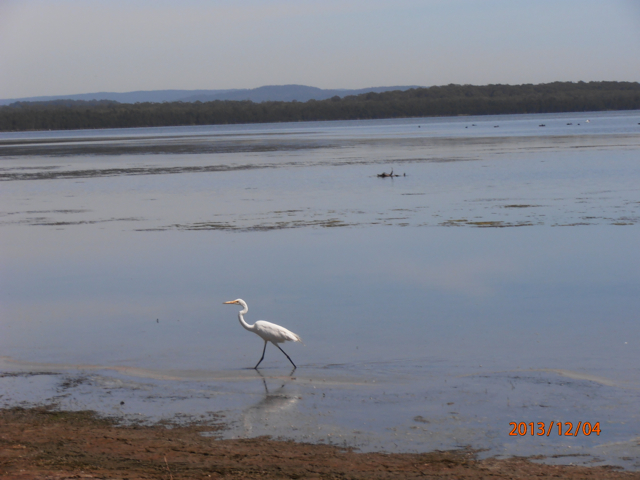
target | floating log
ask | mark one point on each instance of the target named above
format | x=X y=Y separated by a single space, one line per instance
x=386 y=175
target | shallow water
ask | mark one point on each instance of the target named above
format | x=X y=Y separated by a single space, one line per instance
x=496 y=282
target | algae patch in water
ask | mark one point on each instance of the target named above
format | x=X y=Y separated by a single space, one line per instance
x=484 y=224
x=328 y=223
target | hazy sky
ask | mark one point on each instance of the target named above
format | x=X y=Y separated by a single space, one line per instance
x=56 y=47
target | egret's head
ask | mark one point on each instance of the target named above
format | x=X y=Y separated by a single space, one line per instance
x=233 y=302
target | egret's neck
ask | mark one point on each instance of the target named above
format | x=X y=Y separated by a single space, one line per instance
x=241 y=318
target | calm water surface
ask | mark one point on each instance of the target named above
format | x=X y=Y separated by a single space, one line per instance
x=495 y=280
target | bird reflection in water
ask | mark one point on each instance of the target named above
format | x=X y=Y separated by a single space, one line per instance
x=274 y=408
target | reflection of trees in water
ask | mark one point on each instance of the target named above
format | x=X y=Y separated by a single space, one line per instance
x=273 y=408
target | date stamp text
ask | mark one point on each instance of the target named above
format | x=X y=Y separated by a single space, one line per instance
x=561 y=429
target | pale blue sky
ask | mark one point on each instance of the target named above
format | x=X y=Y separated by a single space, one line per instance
x=57 y=47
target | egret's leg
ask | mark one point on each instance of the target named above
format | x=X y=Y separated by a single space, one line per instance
x=262 y=357
x=285 y=354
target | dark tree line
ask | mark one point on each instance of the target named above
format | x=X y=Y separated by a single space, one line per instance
x=447 y=100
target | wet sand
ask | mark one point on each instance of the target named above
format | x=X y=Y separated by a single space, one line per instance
x=42 y=443
x=350 y=408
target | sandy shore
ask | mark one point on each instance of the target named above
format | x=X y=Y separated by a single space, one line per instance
x=42 y=443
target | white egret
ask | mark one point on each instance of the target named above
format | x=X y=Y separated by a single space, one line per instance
x=269 y=332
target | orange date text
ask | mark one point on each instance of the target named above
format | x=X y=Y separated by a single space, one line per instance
x=567 y=429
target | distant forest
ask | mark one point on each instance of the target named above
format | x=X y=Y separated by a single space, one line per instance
x=447 y=100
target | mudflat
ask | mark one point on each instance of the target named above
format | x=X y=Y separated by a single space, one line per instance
x=43 y=443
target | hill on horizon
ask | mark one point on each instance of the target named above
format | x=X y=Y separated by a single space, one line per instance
x=283 y=93
x=448 y=100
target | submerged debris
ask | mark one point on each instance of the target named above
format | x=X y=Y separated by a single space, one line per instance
x=386 y=175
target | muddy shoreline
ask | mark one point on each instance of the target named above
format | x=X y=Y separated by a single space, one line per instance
x=43 y=442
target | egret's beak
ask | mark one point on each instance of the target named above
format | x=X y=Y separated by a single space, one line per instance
x=231 y=302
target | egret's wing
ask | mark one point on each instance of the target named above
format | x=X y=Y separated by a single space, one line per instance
x=275 y=333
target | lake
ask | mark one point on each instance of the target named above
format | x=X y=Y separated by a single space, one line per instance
x=495 y=279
